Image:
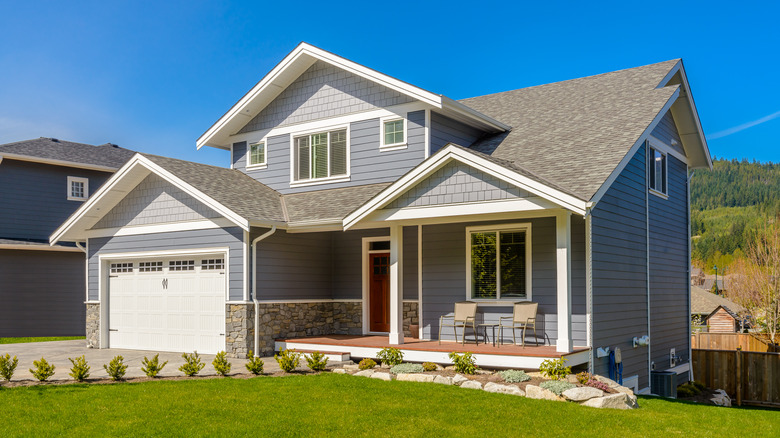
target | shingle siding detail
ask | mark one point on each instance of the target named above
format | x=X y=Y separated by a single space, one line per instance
x=155 y=201
x=445 y=130
x=320 y=92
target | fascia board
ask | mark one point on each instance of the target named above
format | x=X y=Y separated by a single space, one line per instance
x=472 y=114
x=53 y=162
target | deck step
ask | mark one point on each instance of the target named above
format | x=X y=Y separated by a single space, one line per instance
x=333 y=356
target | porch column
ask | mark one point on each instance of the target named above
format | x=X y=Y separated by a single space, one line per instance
x=396 y=285
x=563 y=274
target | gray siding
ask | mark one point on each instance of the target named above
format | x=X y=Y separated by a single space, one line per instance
x=238 y=155
x=368 y=164
x=155 y=201
x=446 y=130
x=42 y=293
x=619 y=256
x=231 y=238
x=34 y=197
x=666 y=131
x=324 y=91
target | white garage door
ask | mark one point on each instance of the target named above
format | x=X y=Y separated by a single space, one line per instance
x=171 y=304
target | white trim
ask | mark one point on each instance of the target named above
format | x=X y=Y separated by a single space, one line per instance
x=517 y=215
x=682 y=368
x=420 y=280
x=57 y=162
x=650 y=168
x=334 y=300
x=326 y=180
x=647 y=258
x=498 y=301
x=319 y=181
x=365 y=245
x=427 y=133
x=256 y=166
x=657 y=193
x=657 y=143
x=132 y=230
x=247 y=271
x=564 y=340
x=589 y=286
x=77 y=179
x=393 y=146
x=396 y=284
x=461 y=209
x=167 y=253
x=41 y=247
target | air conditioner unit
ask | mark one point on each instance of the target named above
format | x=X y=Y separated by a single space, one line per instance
x=664 y=383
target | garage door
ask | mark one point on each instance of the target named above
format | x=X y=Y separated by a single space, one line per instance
x=167 y=304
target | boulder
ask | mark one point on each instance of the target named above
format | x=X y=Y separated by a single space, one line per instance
x=582 y=393
x=612 y=401
x=611 y=383
x=471 y=384
x=414 y=377
x=352 y=367
x=364 y=373
x=443 y=380
x=503 y=389
x=483 y=372
x=624 y=390
x=382 y=376
x=721 y=398
x=459 y=379
x=539 y=393
x=340 y=371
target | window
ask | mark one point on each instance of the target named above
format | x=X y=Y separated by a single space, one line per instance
x=78 y=188
x=150 y=267
x=657 y=171
x=499 y=263
x=119 y=268
x=321 y=155
x=181 y=265
x=393 y=132
x=257 y=154
x=212 y=264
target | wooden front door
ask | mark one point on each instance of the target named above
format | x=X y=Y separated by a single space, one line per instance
x=379 y=292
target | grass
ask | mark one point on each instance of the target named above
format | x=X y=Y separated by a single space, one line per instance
x=40 y=339
x=332 y=404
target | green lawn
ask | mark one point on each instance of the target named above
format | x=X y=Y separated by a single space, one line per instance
x=332 y=404
x=41 y=339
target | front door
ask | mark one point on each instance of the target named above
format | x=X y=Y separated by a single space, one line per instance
x=379 y=292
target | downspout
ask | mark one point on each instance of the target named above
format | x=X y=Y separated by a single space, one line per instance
x=647 y=259
x=589 y=285
x=254 y=285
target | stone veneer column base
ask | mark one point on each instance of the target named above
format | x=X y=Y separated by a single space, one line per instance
x=411 y=317
x=239 y=329
x=93 y=325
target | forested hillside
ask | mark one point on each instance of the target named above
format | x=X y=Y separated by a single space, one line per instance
x=729 y=203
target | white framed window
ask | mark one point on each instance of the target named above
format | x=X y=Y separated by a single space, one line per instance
x=498 y=263
x=320 y=156
x=212 y=264
x=181 y=265
x=150 y=267
x=657 y=172
x=257 y=155
x=78 y=188
x=121 y=268
x=393 y=133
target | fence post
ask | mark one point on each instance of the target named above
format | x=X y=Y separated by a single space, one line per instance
x=739 y=376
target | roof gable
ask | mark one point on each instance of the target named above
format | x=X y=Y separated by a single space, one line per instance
x=107 y=157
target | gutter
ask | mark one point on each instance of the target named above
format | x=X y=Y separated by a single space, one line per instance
x=254 y=285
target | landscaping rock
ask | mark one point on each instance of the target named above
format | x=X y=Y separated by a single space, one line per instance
x=443 y=380
x=471 y=384
x=340 y=371
x=582 y=393
x=624 y=390
x=611 y=383
x=458 y=379
x=539 y=393
x=572 y=378
x=483 y=372
x=721 y=398
x=612 y=401
x=414 y=377
x=439 y=367
x=503 y=389
x=364 y=373
x=352 y=367
x=382 y=376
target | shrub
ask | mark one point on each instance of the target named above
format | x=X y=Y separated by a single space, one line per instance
x=555 y=369
x=80 y=370
x=116 y=368
x=316 y=361
x=221 y=364
x=366 y=364
x=597 y=384
x=288 y=360
x=390 y=356
x=698 y=385
x=152 y=367
x=464 y=363
x=8 y=366
x=584 y=377
x=254 y=364
x=689 y=389
x=406 y=368
x=192 y=364
x=514 y=376
x=556 y=386
x=43 y=370
x=429 y=366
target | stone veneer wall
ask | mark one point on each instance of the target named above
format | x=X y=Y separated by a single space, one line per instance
x=239 y=329
x=411 y=316
x=93 y=325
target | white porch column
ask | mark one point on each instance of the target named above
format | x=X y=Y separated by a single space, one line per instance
x=563 y=274
x=396 y=285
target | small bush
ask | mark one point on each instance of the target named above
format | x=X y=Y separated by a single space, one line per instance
x=192 y=364
x=254 y=364
x=698 y=385
x=316 y=361
x=221 y=364
x=288 y=360
x=689 y=389
x=406 y=368
x=390 y=356
x=556 y=386
x=80 y=370
x=514 y=376
x=429 y=366
x=555 y=369
x=366 y=364
x=43 y=370
x=8 y=366
x=593 y=383
x=584 y=377
x=152 y=367
x=116 y=368
x=464 y=363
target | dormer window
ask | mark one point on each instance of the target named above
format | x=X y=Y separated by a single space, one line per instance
x=320 y=156
x=78 y=188
x=257 y=154
x=393 y=133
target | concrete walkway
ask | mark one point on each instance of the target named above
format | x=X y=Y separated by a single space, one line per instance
x=58 y=353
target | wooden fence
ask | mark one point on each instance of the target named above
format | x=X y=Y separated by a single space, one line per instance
x=730 y=341
x=748 y=377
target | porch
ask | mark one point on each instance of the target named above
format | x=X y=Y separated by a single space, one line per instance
x=416 y=350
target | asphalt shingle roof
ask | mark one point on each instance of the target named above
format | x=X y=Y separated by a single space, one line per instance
x=333 y=204
x=575 y=133
x=108 y=155
x=703 y=302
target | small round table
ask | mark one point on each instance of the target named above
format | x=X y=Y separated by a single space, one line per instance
x=485 y=326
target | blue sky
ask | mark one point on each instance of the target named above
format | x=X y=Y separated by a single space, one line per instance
x=152 y=76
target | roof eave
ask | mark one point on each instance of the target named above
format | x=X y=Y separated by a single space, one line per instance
x=33 y=159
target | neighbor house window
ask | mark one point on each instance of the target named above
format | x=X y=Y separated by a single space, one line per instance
x=499 y=263
x=78 y=188
x=657 y=171
x=257 y=154
x=320 y=155
x=393 y=132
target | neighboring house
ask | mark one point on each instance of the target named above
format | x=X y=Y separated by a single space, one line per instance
x=42 y=287
x=717 y=312
x=359 y=204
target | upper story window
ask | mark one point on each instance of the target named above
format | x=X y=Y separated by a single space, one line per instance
x=78 y=188
x=393 y=133
x=257 y=154
x=657 y=172
x=499 y=263
x=320 y=156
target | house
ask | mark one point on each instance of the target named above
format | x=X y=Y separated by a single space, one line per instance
x=360 y=204
x=717 y=312
x=44 y=180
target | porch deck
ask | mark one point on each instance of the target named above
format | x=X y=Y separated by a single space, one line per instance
x=415 y=350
